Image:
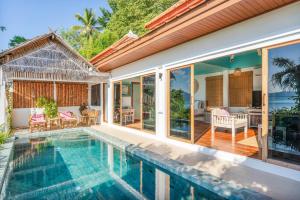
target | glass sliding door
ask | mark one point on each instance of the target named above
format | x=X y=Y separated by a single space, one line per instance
x=117 y=103
x=105 y=100
x=284 y=102
x=180 y=99
x=131 y=102
x=148 y=102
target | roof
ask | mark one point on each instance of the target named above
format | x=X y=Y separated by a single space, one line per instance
x=182 y=23
x=125 y=40
x=46 y=57
x=32 y=44
x=174 y=11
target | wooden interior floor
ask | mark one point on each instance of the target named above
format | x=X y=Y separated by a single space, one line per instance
x=223 y=141
x=135 y=125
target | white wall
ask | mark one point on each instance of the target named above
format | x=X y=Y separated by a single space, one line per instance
x=3 y=104
x=21 y=115
x=277 y=26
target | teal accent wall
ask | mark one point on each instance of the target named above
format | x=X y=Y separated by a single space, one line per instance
x=242 y=60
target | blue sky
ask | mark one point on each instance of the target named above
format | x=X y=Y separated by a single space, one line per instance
x=30 y=18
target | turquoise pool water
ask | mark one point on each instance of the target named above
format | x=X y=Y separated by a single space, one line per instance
x=78 y=166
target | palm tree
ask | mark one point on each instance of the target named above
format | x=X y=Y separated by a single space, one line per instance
x=288 y=78
x=16 y=40
x=88 y=21
x=104 y=18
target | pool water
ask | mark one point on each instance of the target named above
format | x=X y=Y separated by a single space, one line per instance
x=78 y=166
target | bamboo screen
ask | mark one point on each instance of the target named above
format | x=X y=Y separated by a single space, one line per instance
x=71 y=94
x=214 y=91
x=240 y=89
x=26 y=92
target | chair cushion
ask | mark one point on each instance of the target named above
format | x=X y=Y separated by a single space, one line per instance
x=38 y=118
x=66 y=115
x=221 y=112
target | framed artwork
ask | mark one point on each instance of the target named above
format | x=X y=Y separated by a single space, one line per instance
x=126 y=90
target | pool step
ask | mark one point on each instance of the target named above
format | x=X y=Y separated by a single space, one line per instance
x=68 y=188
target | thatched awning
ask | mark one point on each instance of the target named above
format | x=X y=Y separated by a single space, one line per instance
x=47 y=57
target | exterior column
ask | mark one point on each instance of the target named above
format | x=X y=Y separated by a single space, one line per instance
x=109 y=104
x=54 y=91
x=226 y=88
x=101 y=102
x=89 y=94
x=161 y=106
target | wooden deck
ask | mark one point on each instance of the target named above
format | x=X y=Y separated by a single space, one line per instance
x=243 y=145
x=223 y=141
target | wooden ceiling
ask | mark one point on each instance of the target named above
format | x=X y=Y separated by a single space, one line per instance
x=206 y=18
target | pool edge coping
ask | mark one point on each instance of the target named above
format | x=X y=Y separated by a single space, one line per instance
x=6 y=151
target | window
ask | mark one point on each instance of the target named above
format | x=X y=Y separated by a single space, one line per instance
x=95 y=95
x=284 y=103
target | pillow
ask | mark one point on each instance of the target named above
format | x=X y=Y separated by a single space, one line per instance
x=66 y=114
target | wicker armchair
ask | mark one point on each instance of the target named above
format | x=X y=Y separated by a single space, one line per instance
x=93 y=117
x=68 y=119
x=37 y=121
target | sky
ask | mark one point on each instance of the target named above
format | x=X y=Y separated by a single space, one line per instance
x=30 y=18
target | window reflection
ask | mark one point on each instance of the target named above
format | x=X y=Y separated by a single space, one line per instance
x=117 y=101
x=149 y=102
x=284 y=103
x=180 y=103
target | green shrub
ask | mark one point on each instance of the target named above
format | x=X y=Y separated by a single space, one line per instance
x=49 y=105
x=51 y=109
x=3 y=135
x=41 y=102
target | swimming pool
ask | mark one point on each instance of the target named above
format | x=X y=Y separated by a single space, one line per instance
x=77 y=165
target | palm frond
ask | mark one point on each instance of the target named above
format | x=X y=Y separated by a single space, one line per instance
x=77 y=28
x=283 y=62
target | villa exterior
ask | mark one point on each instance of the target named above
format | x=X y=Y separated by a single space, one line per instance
x=214 y=73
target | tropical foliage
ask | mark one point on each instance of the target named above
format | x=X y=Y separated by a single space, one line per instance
x=16 y=40
x=288 y=78
x=96 y=33
x=88 y=22
x=178 y=109
x=49 y=105
x=3 y=134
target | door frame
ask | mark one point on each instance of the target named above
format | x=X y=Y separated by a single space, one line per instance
x=265 y=101
x=113 y=104
x=168 y=99
x=141 y=103
x=104 y=102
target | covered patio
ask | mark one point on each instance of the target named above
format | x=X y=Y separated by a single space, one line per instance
x=46 y=67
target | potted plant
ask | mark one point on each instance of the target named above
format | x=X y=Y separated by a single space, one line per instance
x=49 y=105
